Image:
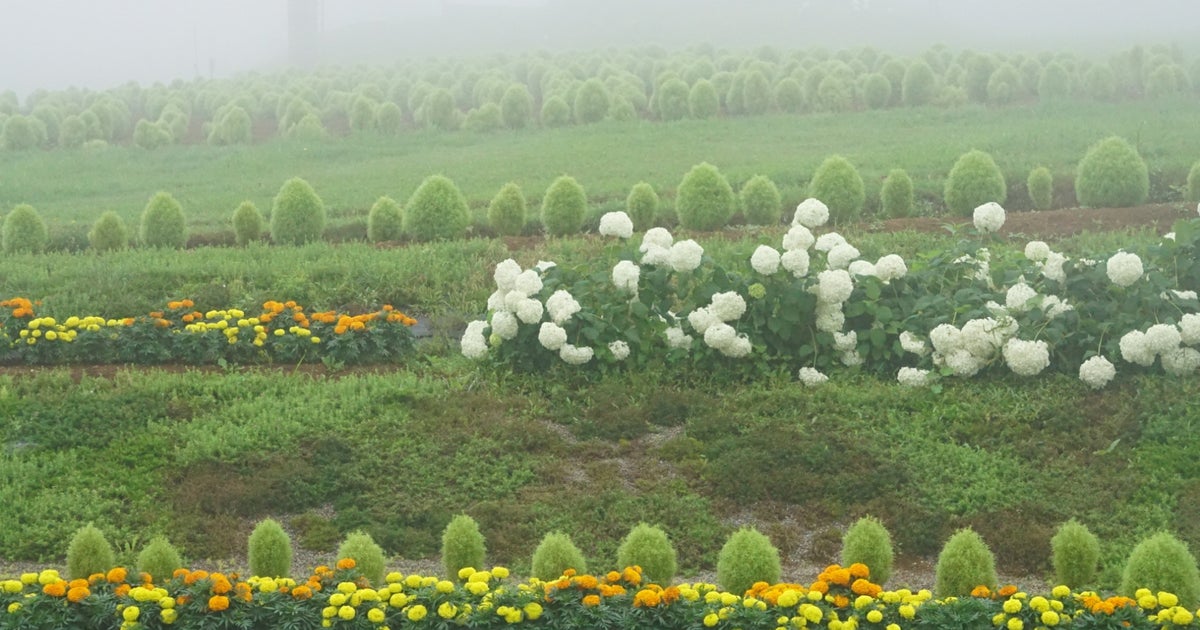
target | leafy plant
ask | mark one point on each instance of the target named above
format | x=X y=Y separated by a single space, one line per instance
x=564 y=206
x=837 y=183
x=964 y=563
x=555 y=112
x=506 y=212
x=24 y=230
x=159 y=559
x=761 y=202
x=297 y=214
x=648 y=547
x=591 y=102
x=896 y=194
x=747 y=557
x=367 y=555
x=385 y=221
x=89 y=553
x=671 y=100
x=270 y=550
x=868 y=542
x=704 y=200
x=1075 y=555
x=1112 y=175
x=703 y=102
x=109 y=233
x=974 y=181
x=877 y=91
x=436 y=210
x=150 y=135
x=248 y=223
x=554 y=555
x=1192 y=192
x=919 y=86
x=1162 y=563
x=163 y=224
x=642 y=206
x=516 y=107
x=1041 y=188
x=462 y=545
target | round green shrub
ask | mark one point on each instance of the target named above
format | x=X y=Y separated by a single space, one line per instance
x=362 y=113
x=516 y=106
x=1055 y=83
x=88 y=553
x=507 y=210
x=837 y=183
x=368 y=556
x=50 y=118
x=564 y=207
x=756 y=93
x=308 y=129
x=24 y=231
x=20 y=133
x=72 y=133
x=648 y=547
x=234 y=127
x=735 y=96
x=270 y=550
x=761 y=202
x=1112 y=175
x=671 y=100
x=704 y=199
x=1193 y=184
x=896 y=194
x=1162 y=563
x=437 y=210
x=868 y=541
x=919 y=86
x=163 y=224
x=389 y=118
x=747 y=557
x=556 y=112
x=703 y=101
x=1004 y=86
x=877 y=91
x=1100 y=83
x=554 y=555
x=642 y=206
x=834 y=94
x=150 y=136
x=789 y=95
x=160 y=559
x=385 y=221
x=1041 y=188
x=248 y=223
x=462 y=545
x=484 y=119
x=297 y=214
x=591 y=102
x=439 y=110
x=1075 y=554
x=979 y=68
x=622 y=109
x=964 y=563
x=974 y=181
x=1164 y=82
x=109 y=233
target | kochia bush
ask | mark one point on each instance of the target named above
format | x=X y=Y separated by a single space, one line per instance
x=919 y=86
x=367 y=555
x=648 y=547
x=747 y=557
x=837 y=183
x=671 y=100
x=1041 y=188
x=642 y=206
x=554 y=555
x=564 y=206
x=88 y=553
x=507 y=210
x=877 y=91
x=591 y=102
x=150 y=136
x=109 y=233
x=704 y=200
x=896 y=194
x=868 y=542
x=163 y=224
x=974 y=181
x=1162 y=563
x=20 y=133
x=297 y=214
x=24 y=230
x=248 y=223
x=761 y=202
x=385 y=221
x=555 y=112
x=1113 y=175
x=516 y=107
x=1075 y=554
x=703 y=101
x=270 y=550
x=462 y=545
x=964 y=563
x=160 y=559
x=437 y=210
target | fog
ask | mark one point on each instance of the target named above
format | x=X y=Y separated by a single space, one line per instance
x=55 y=44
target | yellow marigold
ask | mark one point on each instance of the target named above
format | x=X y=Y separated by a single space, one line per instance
x=217 y=603
x=591 y=601
x=632 y=575
x=417 y=613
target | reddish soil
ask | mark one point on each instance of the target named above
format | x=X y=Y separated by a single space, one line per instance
x=1056 y=224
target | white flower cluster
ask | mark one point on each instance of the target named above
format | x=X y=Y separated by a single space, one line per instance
x=1124 y=269
x=766 y=260
x=561 y=306
x=811 y=213
x=989 y=217
x=616 y=224
x=1026 y=358
x=656 y=247
x=625 y=276
x=811 y=377
x=970 y=349
x=842 y=255
x=1165 y=341
x=710 y=321
x=913 y=377
x=619 y=350
x=1097 y=372
x=890 y=267
x=981 y=262
x=914 y=344
x=833 y=288
x=474 y=344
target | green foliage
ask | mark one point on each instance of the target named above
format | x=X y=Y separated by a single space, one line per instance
x=964 y=563
x=979 y=68
x=368 y=556
x=556 y=112
x=234 y=127
x=462 y=545
x=1041 y=188
x=389 y=118
x=868 y=541
x=308 y=129
x=789 y=95
x=837 y=183
x=919 y=86
x=554 y=555
x=516 y=106
x=1112 y=175
x=486 y=118
x=385 y=221
x=109 y=233
x=362 y=113
x=88 y=553
x=835 y=94
x=974 y=181
x=1192 y=192
x=564 y=206
x=160 y=559
x=591 y=102
x=436 y=211
x=761 y=202
x=162 y=223
x=756 y=93
x=1004 y=86
x=1075 y=554
x=704 y=199
x=1100 y=83
x=507 y=210
x=896 y=194
x=877 y=91
x=703 y=101
x=1162 y=563
x=648 y=547
x=297 y=214
x=1165 y=81
x=248 y=223
x=439 y=110
x=270 y=550
x=150 y=136
x=24 y=231
x=1055 y=83
x=642 y=206
x=72 y=133
x=20 y=133
x=747 y=557
x=671 y=100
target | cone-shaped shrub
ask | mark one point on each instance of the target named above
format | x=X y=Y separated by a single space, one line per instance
x=1193 y=183
x=838 y=184
x=436 y=211
x=1075 y=553
x=591 y=102
x=642 y=206
x=149 y=135
x=1163 y=563
x=109 y=233
x=877 y=91
x=1041 y=188
x=516 y=107
x=555 y=554
x=297 y=214
x=462 y=545
x=974 y=181
x=484 y=119
x=1112 y=175
x=556 y=112
x=439 y=110
x=162 y=222
x=563 y=207
x=965 y=562
x=389 y=118
x=704 y=199
x=20 y=133
x=506 y=212
x=703 y=101
x=270 y=550
x=868 y=542
x=747 y=557
x=896 y=195
x=368 y=556
x=1055 y=82
x=789 y=95
x=160 y=559
x=919 y=85
x=248 y=223
x=756 y=93
x=308 y=129
x=761 y=202
x=72 y=133
x=648 y=547
x=362 y=113
x=88 y=553
x=671 y=100
x=24 y=230
x=385 y=221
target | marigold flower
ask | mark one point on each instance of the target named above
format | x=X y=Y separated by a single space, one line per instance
x=55 y=589
x=217 y=603
x=122 y=590
x=646 y=598
x=345 y=564
x=78 y=594
x=1007 y=590
x=116 y=576
x=591 y=601
x=981 y=591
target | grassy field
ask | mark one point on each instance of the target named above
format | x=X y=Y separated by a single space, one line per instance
x=71 y=188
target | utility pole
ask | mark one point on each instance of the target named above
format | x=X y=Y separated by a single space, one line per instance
x=304 y=29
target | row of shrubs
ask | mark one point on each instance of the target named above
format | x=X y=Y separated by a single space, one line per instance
x=1111 y=174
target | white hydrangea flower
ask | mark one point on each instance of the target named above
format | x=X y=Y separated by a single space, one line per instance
x=719 y=335
x=1018 y=297
x=496 y=300
x=506 y=275
x=677 y=339
x=811 y=377
x=1052 y=267
x=561 y=306
x=1181 y=361
x=1135 y=350
x=616 y=224
x=989 y=217
x=575 y=355
x=513 y=299
x=530 y=311
x=1189 y=329
x=845 y=342
x=1162 y=338
x=946 y=338
x=1037 y=251
x=1096 y=372
x=830 y=317
x=914 y=344
x=1026 y=358
x=504 y=323
x=861 y=268
x=655 y=256
x=528 y=282
x=727 y=306
x=625 y=276
x=1124 y=268
x=842 y=255
x=985 y=336
x=826 y=242
x=473 y=343
x=834 y=286
x=619 y=350
x=686 y=255
x=851 y=359
x=1183 y=295
x=997 y=310
x=552 y=336
x=799 y=237
x=701 y=319
x=658 y=237
x=891 y=267
x=543 y=266
x=811 y=213
x=913 y=377
x=1053 y=306
x=765 y=260
x=796 y=261
x=963 y=363
x=738 y=348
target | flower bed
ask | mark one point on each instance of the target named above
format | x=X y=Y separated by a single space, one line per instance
x=283 y=331
x=841 y=598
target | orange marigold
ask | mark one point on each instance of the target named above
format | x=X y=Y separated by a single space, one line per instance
x=841 y=601
x=646 y=598
x=187 y=303
x=345 y=564
x=612 y=577
x=179 y=573
x=670 y=594
x=864 y=587
x=122 y=590
x=586 y=582
x=859 y=570
x=1007 y=590
x=819 y=586
x=840 y=577
x=981 y=591
x=195 y=576
x=591 y=601
x=174 y=305
x=221 y=585
x=78 y=594
x=116 y=576
x=302 y=592
x=218 y=603
x=55 y=589
x=632 y=575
